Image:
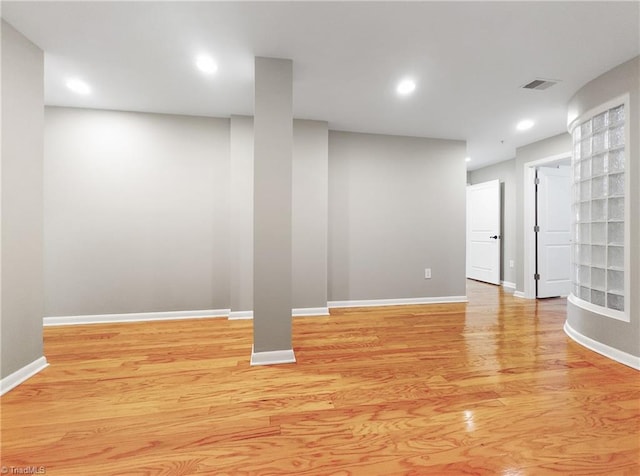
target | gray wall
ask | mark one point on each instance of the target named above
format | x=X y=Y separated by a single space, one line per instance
x=506 y=173
x=21 y=201
x=620 y=80
x=136 y=212
x=241 y=214
x=396 y=207
x=310 y=213
x=174 y=219
x=538 y=150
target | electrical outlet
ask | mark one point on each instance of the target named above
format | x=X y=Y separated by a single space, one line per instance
x=427 y=273
x=511 y=263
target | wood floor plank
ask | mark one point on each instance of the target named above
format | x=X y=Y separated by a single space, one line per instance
x=492 y=386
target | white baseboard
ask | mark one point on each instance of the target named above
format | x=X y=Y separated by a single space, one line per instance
x=298 y=312
x=398 y=302
x=519 y=294
x=133 y=317
x=172 y=315
x=272 y=357
x=508 y=285
x=238 y=315
x=602 y=349
x=16 y=378
x=310 y=312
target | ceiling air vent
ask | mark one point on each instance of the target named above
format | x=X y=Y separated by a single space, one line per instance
x=540 y=84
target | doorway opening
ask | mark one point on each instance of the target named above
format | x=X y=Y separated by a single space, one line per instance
x=484 y=228
x=555 y=246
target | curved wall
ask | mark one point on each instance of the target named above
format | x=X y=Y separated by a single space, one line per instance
x=617 y=339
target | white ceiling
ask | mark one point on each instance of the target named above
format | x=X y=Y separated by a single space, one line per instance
x=469 y=60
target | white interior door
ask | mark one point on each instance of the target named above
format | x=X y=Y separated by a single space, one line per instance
x=554 y=233
x=483 y=231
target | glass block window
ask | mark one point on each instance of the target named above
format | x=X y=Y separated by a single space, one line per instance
x=598 y=210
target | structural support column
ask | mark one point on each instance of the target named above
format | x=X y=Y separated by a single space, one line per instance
x=273 y=163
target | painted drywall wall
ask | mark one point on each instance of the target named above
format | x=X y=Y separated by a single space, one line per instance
x=542 y=149
x=124 y=164
x=22 y=288
x=76 y=137
x=396 y=207
x=506 y=173
x=136 y=212
x=310 y=213
x=241 y=216
x=624 y=79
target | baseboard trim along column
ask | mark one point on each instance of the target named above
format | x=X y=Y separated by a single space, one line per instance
x=299 y=312
x=602 y=349
x=16 y=378
x=133 y=317
x=239 y=315
x=310 y=312
x=398 y=302
x=272 y=357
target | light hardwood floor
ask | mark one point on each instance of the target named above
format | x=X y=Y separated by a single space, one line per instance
x=489 y=387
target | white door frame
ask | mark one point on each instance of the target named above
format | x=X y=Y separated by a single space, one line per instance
x=529 y=191
x=554 y=238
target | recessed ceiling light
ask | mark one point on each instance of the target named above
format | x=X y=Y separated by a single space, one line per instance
x=525 y=124
x=206 y=64
x=78 y=86
x=467 y=159
x=406 y=86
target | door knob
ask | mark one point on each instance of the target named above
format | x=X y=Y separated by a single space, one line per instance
x=494 y=237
